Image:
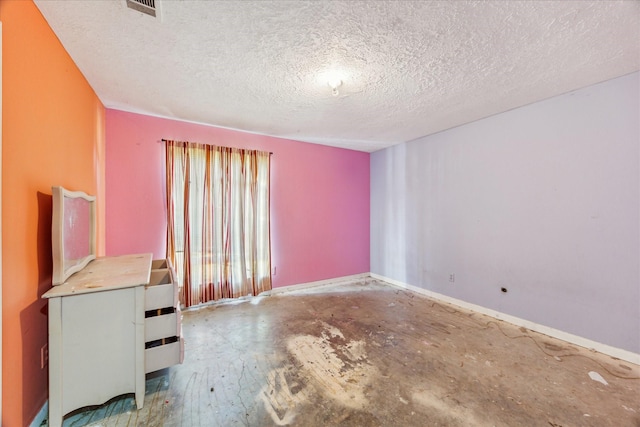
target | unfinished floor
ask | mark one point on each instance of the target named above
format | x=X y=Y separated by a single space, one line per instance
x=368 y=354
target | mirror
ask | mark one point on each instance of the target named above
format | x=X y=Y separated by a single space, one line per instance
x=73 y=230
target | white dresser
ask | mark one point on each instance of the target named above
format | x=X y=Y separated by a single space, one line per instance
x=110 y=324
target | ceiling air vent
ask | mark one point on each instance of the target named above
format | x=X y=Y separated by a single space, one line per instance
x=144 y=6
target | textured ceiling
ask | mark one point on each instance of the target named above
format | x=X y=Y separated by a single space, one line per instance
x=408 y=69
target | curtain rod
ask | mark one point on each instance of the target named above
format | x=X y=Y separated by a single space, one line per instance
x=165 y=140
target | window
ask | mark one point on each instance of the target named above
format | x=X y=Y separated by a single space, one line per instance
x=218 y=220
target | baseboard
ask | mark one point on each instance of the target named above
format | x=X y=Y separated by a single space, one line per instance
x=39 y=420
x=555 y=333
x=301 y=286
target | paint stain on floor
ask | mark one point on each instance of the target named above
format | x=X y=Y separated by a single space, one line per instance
x=335 y=367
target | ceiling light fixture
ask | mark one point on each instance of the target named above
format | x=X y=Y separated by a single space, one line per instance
x=334 y=77
x=334 y=84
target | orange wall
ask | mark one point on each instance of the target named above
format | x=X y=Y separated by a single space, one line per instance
x=52 y=134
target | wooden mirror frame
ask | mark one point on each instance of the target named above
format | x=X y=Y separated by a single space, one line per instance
x=63 y=266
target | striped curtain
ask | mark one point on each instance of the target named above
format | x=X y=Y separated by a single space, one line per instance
x=218 y=220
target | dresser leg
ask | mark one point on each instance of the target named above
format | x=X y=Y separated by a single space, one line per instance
x=55 y=362
x=54 y=420
x=139 y=400
x=139 y=350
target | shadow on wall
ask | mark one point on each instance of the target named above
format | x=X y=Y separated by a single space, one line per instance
x=33 y=319
x=45 y=257
x=31 y=346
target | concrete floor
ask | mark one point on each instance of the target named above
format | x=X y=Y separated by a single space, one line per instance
x=367 y=354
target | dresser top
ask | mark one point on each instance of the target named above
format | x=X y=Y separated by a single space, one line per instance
x=105 y=274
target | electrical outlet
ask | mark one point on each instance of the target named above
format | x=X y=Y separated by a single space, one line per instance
x=273 y=271
x=452 y=277
x=44 y=356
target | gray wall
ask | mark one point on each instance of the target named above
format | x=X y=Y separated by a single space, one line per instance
x=543 y=200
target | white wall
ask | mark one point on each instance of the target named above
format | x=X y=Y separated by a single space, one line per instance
x=542 y=200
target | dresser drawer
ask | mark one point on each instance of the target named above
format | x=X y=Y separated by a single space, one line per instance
x=162 y=326
x=163 y=356
x=161 y=292
x=158 y=264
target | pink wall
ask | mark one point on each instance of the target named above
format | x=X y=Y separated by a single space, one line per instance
x=319 y=196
